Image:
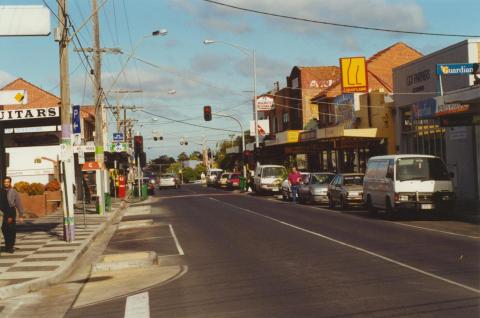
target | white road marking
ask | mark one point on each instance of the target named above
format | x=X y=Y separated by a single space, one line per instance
x=140 y=239
x=137 y=306
x=446 y=280
x=327 y=210
x=434 y=230
x=179 y=248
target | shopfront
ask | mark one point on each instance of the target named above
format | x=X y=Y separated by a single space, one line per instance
x=437 y=105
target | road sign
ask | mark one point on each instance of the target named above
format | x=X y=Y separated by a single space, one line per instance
x=24 y=20
x=91 y=166
x=117 y=136
x=354 y=74
x=13 y=97
x=118 y=147
x=76 y=119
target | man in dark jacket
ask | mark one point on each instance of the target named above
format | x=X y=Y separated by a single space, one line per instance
x=9 y=224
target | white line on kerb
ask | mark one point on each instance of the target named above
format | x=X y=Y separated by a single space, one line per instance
x=434 y=230
x=137 y=306
x=179 y=248
x=446 y=280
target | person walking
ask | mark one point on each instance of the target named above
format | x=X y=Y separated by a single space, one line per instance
x=294 y=179
x=9 y=224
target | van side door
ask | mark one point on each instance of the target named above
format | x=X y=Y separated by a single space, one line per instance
x=381 y=183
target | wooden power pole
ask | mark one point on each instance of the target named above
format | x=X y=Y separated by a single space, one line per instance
x=68 y=175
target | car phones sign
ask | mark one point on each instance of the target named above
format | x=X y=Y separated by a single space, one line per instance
x=354 y=74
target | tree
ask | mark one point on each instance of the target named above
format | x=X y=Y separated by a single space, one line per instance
x=196 y=155
x=188 y=174
x=199 y=169
x=182 y=157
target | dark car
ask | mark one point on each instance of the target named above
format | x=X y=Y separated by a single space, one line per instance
x=346 y=189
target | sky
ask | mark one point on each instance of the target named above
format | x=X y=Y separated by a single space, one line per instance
x=178 y=74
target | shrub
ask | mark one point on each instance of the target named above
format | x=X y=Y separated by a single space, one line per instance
x=53 y=185
x=22 y=186
x=36 y=188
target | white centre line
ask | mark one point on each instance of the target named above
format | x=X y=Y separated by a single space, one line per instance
x=137 y=306
x=179 y=248
x=446 y=280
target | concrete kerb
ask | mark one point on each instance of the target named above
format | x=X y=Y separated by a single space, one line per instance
x=63 y=271
x=115 y=262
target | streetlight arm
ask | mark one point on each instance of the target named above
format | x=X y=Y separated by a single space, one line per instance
x=243 y=140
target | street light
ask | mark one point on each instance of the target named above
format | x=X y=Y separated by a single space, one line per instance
x=250 y=53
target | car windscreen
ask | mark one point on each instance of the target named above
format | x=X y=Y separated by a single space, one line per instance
x=275 y=172
x=353 y=180
x=421 y=168
x=167 y=176
x=322 y=178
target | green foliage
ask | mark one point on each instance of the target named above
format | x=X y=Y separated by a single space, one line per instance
x=188 y=175
x=22 y=186
x=36 y=189
x=182 y=157
x=196 y=155
x=199 y=169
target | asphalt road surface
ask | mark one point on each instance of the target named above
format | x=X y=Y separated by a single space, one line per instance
x=249 y=256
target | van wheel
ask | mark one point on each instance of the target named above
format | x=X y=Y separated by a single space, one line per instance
x=389 y=210
x=371 y=209
x=284 y=196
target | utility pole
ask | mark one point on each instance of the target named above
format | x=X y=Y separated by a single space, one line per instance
x=99 y=124
x=66 y=120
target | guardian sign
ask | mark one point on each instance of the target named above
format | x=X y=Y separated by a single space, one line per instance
x=455 y=69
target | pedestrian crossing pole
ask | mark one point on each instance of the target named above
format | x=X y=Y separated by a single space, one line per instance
x=66 y=123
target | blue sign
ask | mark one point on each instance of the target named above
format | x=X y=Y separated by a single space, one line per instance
x=76 y=119
x=425 y=109
x=455 y=69
x=117 y=137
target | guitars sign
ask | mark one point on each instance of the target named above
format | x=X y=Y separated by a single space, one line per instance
x=91 y=166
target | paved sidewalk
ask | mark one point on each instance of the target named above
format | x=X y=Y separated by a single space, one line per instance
x=42 y=257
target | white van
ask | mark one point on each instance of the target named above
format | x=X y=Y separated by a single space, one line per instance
x=268 y=178
x=417 y=182
x=212 y=175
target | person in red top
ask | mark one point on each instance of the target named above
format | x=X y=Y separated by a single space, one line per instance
x=294 y=179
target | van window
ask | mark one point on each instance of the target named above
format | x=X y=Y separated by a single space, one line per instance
x=273 y=172
x=420 y=168
x=371 y=169
x=381 y=170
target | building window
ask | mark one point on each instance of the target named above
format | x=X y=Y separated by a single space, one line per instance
x=286 y=118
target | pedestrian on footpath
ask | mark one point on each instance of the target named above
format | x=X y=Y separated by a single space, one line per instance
x=294 y=179
x=9 y=224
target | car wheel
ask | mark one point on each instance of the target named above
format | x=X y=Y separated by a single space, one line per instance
x=343 y=204
x=371 y=209
x=284 y=196
x=331 y=204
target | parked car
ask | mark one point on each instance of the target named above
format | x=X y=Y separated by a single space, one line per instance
x=222 y=182
x=346 y=189
x=168 y=180
x=233 y=181
x=212 y=176
x=268 y=178
x=412 y=182
x=315 y=187
x=286 y=189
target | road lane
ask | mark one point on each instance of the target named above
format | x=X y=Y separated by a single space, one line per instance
x=244 y=265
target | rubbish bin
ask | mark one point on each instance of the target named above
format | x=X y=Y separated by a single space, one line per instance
x=242 y=183
x=144 y=191
x=108 y=202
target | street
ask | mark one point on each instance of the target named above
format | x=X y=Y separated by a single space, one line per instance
x=249 y=256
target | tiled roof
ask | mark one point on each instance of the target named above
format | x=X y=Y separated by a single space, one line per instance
x=37 y=97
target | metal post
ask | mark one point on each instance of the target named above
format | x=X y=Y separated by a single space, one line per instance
x=255 y=99
x=66 y=120
x=139 y=180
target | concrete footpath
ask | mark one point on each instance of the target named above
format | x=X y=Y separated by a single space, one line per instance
x=41 y=256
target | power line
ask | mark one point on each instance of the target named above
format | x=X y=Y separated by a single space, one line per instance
x=187 y=123
x=351 y=26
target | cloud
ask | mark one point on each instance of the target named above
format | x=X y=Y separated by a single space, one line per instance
x=372 y=13
x=5 y=78
x=208 y=62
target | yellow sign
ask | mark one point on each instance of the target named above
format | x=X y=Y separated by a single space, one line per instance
x=19 y=97
x=354 y=74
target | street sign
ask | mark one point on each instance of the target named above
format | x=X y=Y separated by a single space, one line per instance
x=117 y=136
x=24 y=20
x=264 y=103
x=76 y=119
x=13 y=97
x=455 y=69
x=118 y=147
x=85 y=148
x=91 y=166
x=354 y=74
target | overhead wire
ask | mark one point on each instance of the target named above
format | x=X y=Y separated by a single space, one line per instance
x=335 y=24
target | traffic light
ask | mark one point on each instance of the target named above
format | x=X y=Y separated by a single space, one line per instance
x=138 y=144
x=207 y=113
x=157 y=136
